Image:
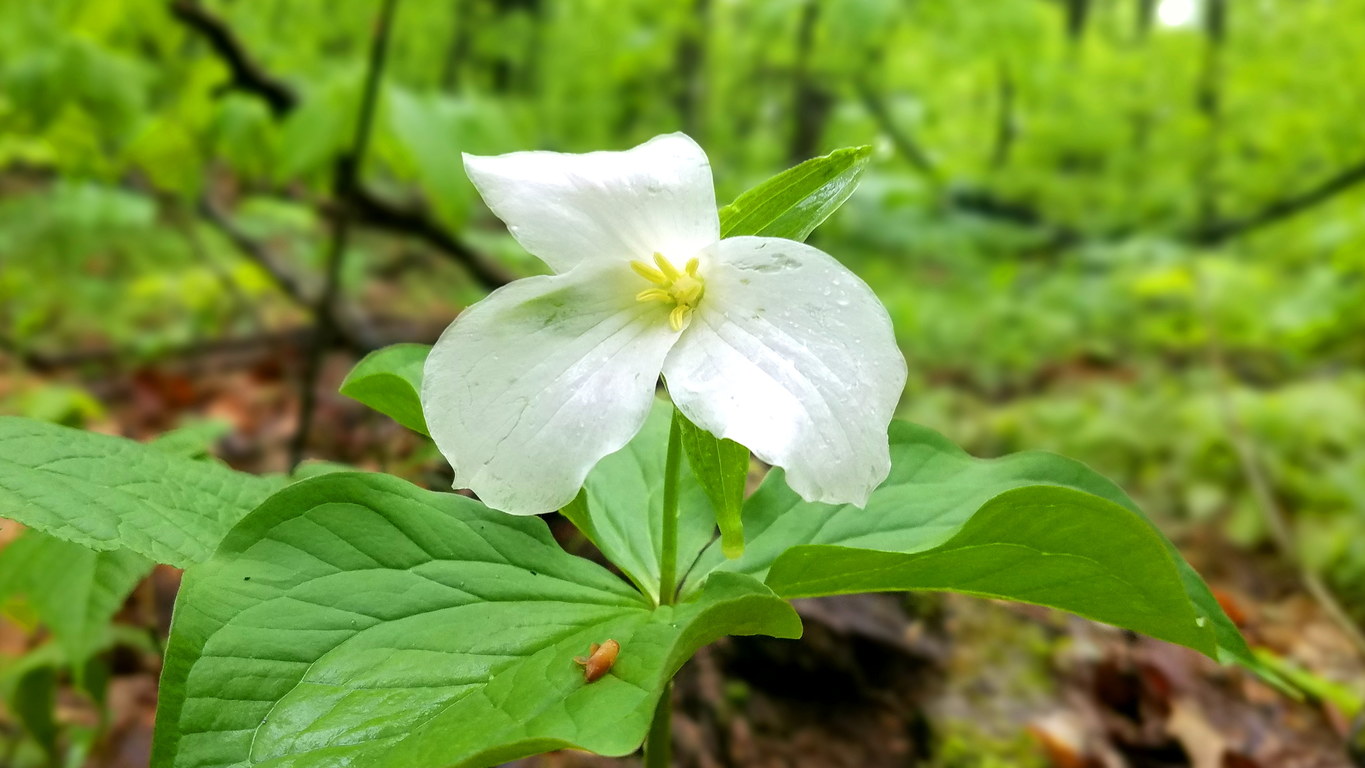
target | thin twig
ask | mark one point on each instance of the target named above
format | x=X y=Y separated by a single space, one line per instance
x=346 y=323
x=345 y=184
x=1278 y=210
x=34 y=361
x=1248 y=457
x=372 y=211
x=184 y=221
x=1006 y=125
x=904 y=142
x=255 y=252
x=366 y=208
x=109 y=356
x=294 y=337
x=1210 y=232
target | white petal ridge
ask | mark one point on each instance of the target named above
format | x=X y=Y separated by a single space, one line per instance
x=792 y=355
x=569 y=209
x=530 y=387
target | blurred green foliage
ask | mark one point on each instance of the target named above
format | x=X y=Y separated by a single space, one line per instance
x=1075 y=209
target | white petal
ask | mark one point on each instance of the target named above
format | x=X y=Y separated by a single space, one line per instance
x=530 y=387
x=603 y=206
x=792 y=355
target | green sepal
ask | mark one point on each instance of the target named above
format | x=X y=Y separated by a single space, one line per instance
x=721 y=468
x=620 y=507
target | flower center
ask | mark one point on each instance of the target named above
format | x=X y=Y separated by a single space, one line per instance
x=681 y=288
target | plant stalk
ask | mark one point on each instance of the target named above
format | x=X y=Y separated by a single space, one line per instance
x=668 y=557
x=659 y=743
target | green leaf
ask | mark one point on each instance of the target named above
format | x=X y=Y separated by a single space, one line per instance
x=389 y=380
x=72 y=589
x=793 y=203
x=34 y=702
x=360 y=620
x=194 y=441
x=721 y=467
x=1032 y=527
x=620 y=508
x=110 y=493
x=1038 y=544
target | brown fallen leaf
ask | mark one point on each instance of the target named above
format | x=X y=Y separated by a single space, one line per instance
x=1201 y=740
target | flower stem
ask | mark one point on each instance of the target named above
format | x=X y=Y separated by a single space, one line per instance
x=659 y=743
x=668 y=557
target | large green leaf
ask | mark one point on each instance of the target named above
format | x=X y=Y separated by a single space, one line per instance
x=793 y=203
x=620 y=508
x=359 y=620
x=74 y=590
x=1037 y=544
x=389 y=380
x=1032 y=527
x=110 y=493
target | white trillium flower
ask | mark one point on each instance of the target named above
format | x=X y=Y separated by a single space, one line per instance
x=768 y=342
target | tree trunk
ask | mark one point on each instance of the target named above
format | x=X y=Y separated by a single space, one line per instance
x=811 y=104
x=690 y=64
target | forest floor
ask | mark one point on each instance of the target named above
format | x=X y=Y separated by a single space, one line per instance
x=877 y=680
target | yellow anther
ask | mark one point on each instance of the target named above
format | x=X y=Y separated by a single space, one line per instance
x=682 y=288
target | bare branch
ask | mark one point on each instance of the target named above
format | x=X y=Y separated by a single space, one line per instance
x=983 y=202
x=904 y=142
x=377 y=213
x=110 y=356
x=1279 y=210
x=351 y=329
x=256 y=252
x=368 y=209
x=247 y=75
x=346 y=182
x=34 y=361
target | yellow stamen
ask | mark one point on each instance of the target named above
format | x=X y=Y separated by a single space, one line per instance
x=649 y=273
x=681 y=288
x=654 y=294
x=666 y=266
x=678 y=318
